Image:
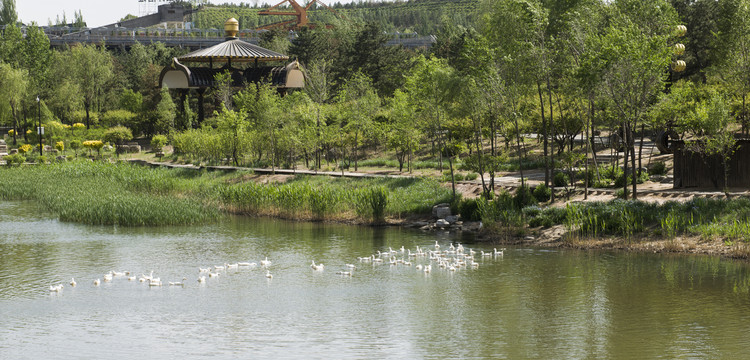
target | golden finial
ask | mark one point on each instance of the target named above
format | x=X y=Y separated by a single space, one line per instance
x=231 y=28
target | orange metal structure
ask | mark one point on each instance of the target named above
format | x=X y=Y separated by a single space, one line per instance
x=298 y=11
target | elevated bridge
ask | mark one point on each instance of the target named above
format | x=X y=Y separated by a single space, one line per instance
x=192 y=39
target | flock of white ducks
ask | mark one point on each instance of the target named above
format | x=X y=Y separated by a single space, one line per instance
x=452 y=259
x=423 y=259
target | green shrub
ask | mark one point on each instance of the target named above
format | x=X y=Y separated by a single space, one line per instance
x=542 y=193
x=456 y=175
x=76 y=145
x=548 y=217
x=531 y=211
x=640 y=180
x=561 y=179
x=621 y=193
x=14 y=160
x=118 y=135
x=603 y=183
x=657 y=168
x=523 y=197
x=469 y=210
x=472 y=176
x=158 y=142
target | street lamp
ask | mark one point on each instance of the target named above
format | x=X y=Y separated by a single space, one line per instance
x=39 y=130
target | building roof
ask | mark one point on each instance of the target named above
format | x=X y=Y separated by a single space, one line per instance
x=234 y=50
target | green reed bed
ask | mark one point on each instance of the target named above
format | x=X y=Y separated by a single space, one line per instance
x=710 y=218
x=132 y=195
x=107 y=194
x=327 y=198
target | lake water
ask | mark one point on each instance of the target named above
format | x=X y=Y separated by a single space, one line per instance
x=529 y=303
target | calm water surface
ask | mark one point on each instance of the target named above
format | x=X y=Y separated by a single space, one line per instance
x=531 y=303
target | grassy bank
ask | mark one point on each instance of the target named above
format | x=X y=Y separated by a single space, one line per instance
x=722 y=221
x=131 y=195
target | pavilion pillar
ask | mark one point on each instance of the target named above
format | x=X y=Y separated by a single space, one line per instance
x=183 y=108
x=201 y=108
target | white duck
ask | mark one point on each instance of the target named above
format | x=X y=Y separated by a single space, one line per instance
x=178 y=283
x=268 y=275
x=265 y=263
x=73 y=282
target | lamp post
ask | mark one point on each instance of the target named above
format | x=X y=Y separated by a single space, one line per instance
x=39 y=129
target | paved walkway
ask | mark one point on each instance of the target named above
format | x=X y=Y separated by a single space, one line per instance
x=508 y=181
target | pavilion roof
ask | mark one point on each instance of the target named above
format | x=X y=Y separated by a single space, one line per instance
x=234 y=50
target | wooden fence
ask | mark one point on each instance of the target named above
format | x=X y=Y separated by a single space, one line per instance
x=697 y=170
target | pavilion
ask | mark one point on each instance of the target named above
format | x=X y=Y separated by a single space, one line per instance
x=231 y=51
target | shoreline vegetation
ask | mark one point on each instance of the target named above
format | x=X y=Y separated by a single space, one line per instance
x=102 y=193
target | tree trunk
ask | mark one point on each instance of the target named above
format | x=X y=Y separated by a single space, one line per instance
x=518 y=140
x=640 y=150
x=453 y=178
x=631 y=136
x=87 y=106
x=544 y=134
x=356 y=146
x=625 y=144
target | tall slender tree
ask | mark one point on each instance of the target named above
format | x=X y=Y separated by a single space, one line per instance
x=8 y=14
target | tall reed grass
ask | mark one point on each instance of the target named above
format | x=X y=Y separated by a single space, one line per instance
x=335 y=198
x=106 y=194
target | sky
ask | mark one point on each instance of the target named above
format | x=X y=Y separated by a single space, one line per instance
x=96 y=13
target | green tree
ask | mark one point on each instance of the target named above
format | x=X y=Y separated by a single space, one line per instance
x=90 y=69
x=511 y=29
x=385 y=65
x=13 y=88
x=118 y=135
x=165 y=113
x=630 y=59
x=8 y=14
x=275 y=40
x=37 y=58
x=362 y=104
x=232 y=126
x=734 y=65
x=135 y=64
x=403 y=136
x=318 y=88
x=12 y=45
x=260 y=106
x=131 y=101
x=432 y=86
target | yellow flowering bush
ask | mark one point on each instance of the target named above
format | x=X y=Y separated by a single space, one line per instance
x=11 y=132
x=24 y=148
x=93 y=145
x=60 y=146
x=77 y=126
